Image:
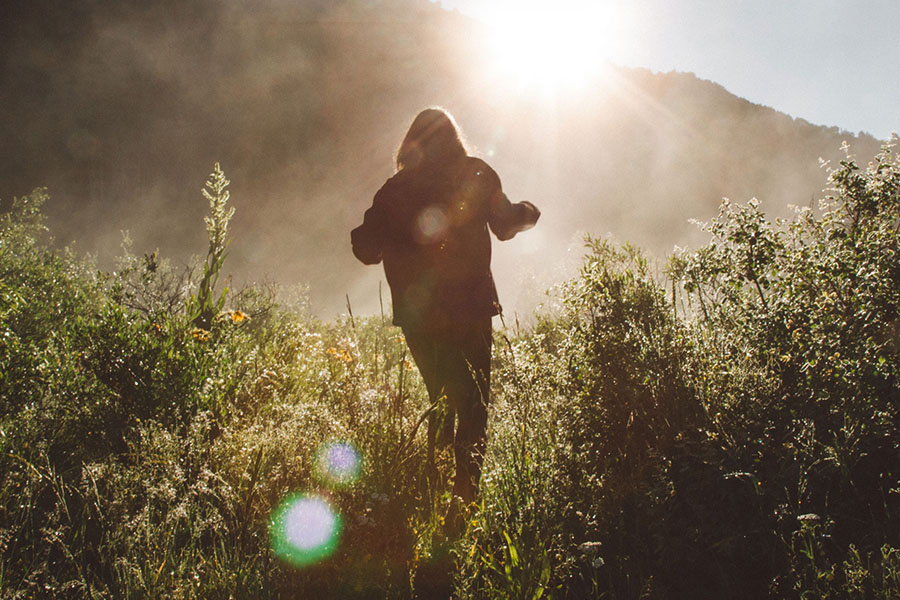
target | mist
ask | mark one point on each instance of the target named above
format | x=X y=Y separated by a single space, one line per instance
x=121 y=111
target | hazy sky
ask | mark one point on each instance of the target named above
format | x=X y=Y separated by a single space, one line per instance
x=830 y=62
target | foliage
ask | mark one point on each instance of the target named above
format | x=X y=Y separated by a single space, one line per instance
x=205 y=305
x=515 y=537
x=729 y=432
x=808 y=309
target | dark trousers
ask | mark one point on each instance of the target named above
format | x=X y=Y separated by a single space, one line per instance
x=456 y=365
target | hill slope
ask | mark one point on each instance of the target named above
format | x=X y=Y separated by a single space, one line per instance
x=121 y=109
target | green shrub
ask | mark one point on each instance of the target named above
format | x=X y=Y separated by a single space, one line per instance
x=808 y=309
x=730 y=432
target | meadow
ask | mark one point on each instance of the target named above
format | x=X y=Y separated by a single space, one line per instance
x=724 y=425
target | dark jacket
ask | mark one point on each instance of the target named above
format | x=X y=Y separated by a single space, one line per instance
x=430 y=227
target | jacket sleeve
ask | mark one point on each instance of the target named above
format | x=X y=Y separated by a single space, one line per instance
x=507 y=219
x=368 y=239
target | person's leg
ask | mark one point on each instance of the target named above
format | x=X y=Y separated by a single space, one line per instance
x=429 y=354
x=471 y=397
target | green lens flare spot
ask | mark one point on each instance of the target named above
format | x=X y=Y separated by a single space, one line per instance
x=304 y=529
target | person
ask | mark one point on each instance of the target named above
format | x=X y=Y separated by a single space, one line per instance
x=429 y=225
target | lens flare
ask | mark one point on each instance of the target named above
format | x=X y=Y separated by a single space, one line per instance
x=338 y=463
x=431 y=224
x=304 y=529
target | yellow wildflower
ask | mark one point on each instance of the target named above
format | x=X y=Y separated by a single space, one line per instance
x=340 y=354
x=235 y=316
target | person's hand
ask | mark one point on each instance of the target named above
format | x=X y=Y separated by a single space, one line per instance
x=532 y=214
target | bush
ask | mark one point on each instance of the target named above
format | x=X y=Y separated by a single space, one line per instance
x=144 y=455
x=730 y=431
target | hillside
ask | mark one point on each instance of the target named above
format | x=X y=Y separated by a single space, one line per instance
x=119 y=108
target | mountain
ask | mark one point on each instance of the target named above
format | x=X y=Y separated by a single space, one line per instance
x=121 y=109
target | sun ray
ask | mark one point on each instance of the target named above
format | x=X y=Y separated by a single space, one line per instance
x=553 y=47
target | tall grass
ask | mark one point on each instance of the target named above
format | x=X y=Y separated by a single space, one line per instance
x=728 y=432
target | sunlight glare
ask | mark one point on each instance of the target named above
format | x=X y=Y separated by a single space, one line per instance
x=553 y=45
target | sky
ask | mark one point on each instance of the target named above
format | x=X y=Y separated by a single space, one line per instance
x=830 y=62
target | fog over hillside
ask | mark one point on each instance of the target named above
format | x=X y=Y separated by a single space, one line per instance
x=121 y=109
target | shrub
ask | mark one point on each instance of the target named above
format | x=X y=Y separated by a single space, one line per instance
x=809 y=307
x=731 y=431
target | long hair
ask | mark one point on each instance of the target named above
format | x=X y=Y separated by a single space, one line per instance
x=432 y=139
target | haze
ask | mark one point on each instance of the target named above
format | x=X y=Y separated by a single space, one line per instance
x=122 y=110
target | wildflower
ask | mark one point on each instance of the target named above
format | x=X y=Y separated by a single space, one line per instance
x=340 y=354
x=810 y=517
x=201 y=335
x=235 y=316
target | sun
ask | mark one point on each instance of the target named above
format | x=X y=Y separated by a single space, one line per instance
x=553 y=44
